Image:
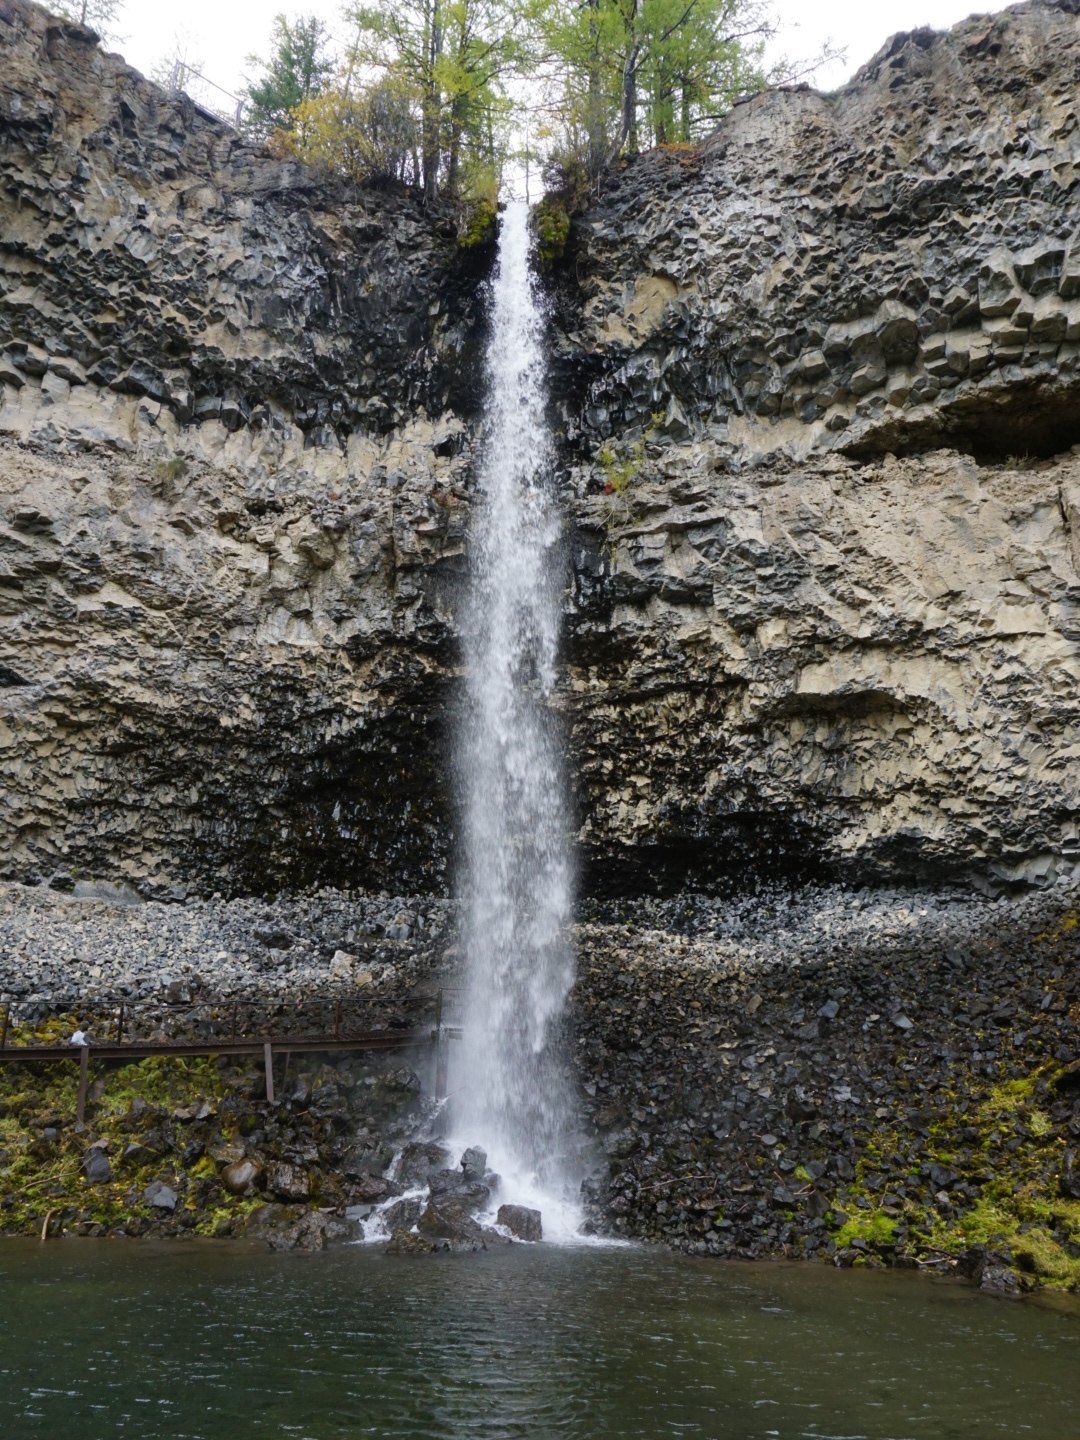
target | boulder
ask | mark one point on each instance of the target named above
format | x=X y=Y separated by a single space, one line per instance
x=95 y=1165
x=419 y=1160
x=160 y=1196
x=289 y=1182
x=474 y=1163
x=371 y=1187
x=403 y=1215
x=285 y=1228
x=242 y=1176
x=523 y=1223
x=447 y=1219
x=407 y=1242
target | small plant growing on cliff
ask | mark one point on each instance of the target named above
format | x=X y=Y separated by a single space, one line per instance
x=552 y=226
x=619 y=472
x=479 y=214
x=174 y=469
x=619 y=468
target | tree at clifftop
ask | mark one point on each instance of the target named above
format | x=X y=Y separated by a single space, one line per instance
x=633 y=72
x=297 y=71
x=419 y=96
x=629 y=74
x=435 y=93
x=456 y=56
x=97 y=14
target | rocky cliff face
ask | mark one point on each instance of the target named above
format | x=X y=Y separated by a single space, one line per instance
x=890 y=268
x=817 y=384
x=220 y=489
x=828 y=607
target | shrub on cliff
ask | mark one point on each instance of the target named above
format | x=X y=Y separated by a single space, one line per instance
x=552 y=226
x=363 y=134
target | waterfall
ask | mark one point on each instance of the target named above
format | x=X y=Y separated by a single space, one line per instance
x=512 y=1092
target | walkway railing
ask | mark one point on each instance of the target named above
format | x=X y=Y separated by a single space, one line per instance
x=435 y=1034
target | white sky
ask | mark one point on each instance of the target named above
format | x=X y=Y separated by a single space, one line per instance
x=222 y=33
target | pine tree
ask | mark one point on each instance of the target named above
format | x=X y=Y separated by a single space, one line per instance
x=298 y=70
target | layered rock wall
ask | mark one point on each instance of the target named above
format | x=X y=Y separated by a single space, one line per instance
x=889 y=268
x=871 y=665
x=229 y=527
x=815 y=385
x=826 y=608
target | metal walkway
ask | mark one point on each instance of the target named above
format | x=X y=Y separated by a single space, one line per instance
x=435 y=1035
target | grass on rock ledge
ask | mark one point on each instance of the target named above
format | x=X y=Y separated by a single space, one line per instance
x=182 y=1122
x=42 y=1153
x=1009 y=1146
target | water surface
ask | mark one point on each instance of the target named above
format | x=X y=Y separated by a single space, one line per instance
x=108 y=1338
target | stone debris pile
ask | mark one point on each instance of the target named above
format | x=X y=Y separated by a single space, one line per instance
x=62 y=951
x=888 y=1079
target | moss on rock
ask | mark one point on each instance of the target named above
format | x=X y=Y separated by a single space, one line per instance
x=551 y=222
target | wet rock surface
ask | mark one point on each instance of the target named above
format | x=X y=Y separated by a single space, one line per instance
x=851 y=1076
x=521 y=1221
x=174 y=1148
x=452 y=1214
x=860 y=1078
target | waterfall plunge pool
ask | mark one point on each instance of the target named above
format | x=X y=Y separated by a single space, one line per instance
x=206 y=1341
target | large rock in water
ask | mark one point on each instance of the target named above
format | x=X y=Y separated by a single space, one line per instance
x=522 y=1222
x=825 y=616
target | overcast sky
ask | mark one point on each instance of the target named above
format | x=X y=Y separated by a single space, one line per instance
x=222 y=33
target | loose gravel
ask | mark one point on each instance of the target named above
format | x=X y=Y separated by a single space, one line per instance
x=102 y=945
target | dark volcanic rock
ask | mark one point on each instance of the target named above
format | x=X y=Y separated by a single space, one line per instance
x=96 y=1166
x=865 y=1144
x=160 y=1196
x=420 y=1160
x=241 y=1177
x=449 y=1218
x=240 y=346
x=408 y=1242
x=290 y=1182
x=522 y=1222
x=807 y=629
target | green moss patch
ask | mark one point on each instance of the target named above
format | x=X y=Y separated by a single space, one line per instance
x=551 y=223
x=43 y=1176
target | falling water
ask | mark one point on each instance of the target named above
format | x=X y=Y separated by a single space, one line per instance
x=511 y=1090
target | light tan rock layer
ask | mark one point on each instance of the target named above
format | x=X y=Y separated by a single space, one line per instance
x=875 y=663
x=237 y=461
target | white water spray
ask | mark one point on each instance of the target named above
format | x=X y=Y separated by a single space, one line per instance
x=511 y=1091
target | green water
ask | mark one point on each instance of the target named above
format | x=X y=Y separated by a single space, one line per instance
x=111 y=1338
